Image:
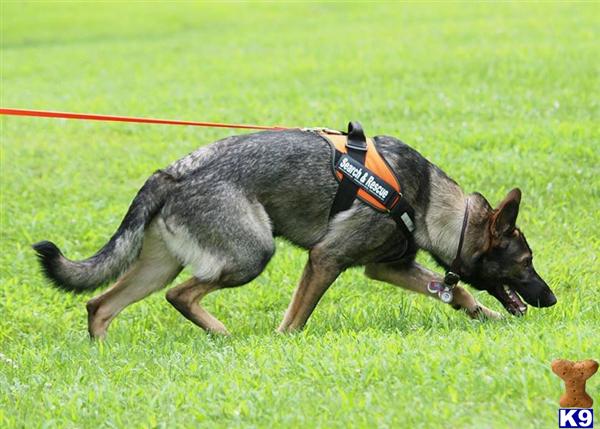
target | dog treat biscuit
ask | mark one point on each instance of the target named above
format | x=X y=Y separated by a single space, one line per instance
x=575 y=374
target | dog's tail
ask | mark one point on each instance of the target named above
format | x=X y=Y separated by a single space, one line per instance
x=116 y=255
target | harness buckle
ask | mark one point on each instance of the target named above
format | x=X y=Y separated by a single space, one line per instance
x=399 y=212
x=322 y=130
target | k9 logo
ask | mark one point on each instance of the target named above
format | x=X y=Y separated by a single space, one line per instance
x=576 y=418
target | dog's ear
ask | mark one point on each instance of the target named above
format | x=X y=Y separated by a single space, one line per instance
x=504 y=217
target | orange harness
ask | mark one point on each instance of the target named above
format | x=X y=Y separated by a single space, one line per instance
x=375 y=163
x=363 y=173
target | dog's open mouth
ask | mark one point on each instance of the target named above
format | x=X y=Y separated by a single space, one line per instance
x=510 y=300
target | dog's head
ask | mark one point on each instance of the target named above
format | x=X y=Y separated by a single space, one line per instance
x=501 y=261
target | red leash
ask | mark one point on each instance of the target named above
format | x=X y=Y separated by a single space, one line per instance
x=92 y=117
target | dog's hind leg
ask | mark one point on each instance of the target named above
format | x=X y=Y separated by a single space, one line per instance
x=153 y=270
x=226 y=240
x=416 y=278
x=212 y=273
x=186 y=297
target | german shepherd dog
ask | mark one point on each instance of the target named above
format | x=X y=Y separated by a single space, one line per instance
x=218 y=209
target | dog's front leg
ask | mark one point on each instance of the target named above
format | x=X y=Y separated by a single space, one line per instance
x=319 y=273
x=416 y=278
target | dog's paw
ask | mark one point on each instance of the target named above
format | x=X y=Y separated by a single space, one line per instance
x=482 y=312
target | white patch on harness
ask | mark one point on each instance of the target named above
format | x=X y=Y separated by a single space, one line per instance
x=407 y=221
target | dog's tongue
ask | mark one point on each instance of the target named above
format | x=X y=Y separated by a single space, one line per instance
x=512 y=301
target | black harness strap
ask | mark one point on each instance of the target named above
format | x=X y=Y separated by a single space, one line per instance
x=357 y=150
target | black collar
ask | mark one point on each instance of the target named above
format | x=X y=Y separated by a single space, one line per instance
x=453 y=274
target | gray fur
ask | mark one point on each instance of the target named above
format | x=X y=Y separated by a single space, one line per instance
x=230 y=198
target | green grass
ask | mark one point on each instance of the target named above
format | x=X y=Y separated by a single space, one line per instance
x=498 y=95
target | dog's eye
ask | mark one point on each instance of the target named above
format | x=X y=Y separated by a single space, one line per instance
x=527 y=262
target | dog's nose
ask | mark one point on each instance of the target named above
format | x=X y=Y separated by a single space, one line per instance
x=548 y=300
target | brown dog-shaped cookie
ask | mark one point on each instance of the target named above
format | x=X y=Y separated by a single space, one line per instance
x=575 y=375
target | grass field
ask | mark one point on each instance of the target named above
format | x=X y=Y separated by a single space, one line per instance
x=498 y=95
